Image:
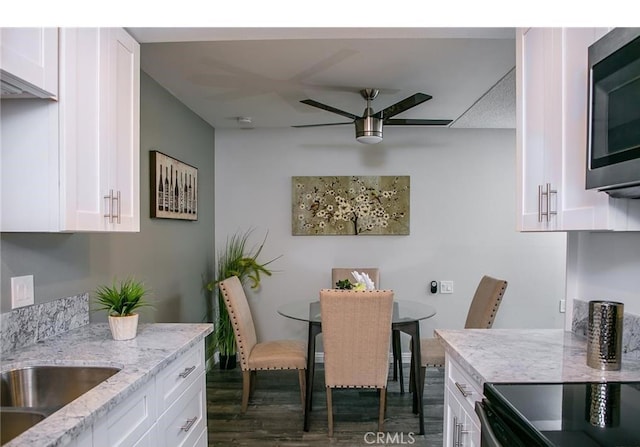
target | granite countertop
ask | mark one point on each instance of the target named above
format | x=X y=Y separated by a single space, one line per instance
x=140 y=359
x=528 y=355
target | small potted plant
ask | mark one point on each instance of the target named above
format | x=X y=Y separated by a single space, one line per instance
x=120 y=301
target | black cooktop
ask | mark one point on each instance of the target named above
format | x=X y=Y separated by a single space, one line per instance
x=581 y=414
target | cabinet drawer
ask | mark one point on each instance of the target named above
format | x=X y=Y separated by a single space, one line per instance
x=461 y=384
x=129 y=421
x=183 y=423
x=178 y=375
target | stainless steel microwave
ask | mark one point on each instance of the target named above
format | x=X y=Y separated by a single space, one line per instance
x=613 y=149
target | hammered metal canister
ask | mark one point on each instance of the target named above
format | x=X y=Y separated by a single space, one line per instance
x=604 y=342
x=603 y=404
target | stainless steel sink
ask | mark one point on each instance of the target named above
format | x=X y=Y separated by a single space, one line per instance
x=30 y=394
x=50 y=386
x=13 y=422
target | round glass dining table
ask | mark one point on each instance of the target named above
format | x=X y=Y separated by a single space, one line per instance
x=403 y=311
x=406 y=318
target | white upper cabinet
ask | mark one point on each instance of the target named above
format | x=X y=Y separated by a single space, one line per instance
x=29 y=61
x=74 y=165
x=551 y=133
x=538 y=126
x=99 y=130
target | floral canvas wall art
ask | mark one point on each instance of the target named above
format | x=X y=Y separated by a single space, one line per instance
x=350 y=205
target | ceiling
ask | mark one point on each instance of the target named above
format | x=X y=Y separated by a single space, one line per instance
x=223 y=74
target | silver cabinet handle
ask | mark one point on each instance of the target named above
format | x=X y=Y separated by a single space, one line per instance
x=111 y=214
x=463 y=389
x=187 y=426
x=187 y=371
x=547 y=194
x=109 y=200
x=539 y=203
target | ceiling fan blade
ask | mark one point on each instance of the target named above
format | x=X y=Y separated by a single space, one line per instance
x=319 y=105
x=321 y=125
x=403 y=105
x=411 y=122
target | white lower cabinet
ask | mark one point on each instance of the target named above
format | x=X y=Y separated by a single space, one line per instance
x=461 y=425
x=185 y=420
x=168 y=411
x=180 y=387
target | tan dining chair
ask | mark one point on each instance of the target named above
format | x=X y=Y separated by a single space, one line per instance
x=341 y=273
x=482 y=312
x=356 y=332
x=254 y=356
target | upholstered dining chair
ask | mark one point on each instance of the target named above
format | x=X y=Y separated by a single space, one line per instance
x=482 y=312
x=356 y=330
x=341 y=273
x=254 y=356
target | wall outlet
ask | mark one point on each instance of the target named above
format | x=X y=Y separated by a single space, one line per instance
x=446 y=286
x=563 y=306
x=22 y=291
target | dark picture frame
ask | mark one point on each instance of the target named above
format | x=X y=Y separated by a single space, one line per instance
x=174 y=188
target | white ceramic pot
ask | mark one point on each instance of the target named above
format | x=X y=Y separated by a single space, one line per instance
x=124 y=328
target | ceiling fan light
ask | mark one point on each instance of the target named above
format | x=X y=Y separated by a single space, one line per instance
x=369 y=130
x=369 y=139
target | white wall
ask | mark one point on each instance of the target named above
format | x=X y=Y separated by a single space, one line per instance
x=604 y=266
x=462 y=221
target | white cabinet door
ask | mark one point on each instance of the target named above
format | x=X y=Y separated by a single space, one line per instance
x=124 y=128
x=130 y=423
x=99 y=137
x=538 y=126
x=30 y=55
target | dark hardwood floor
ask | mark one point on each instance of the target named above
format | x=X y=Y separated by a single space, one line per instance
x=274 y=417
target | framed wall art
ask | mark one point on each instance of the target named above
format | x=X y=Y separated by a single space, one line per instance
x=174 y=188
x=350 y=205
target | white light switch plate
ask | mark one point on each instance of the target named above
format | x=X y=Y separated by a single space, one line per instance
x=446 y=286
x=22 y=291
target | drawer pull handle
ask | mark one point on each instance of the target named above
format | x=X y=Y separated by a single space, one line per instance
x=186 y=372
x=186 y=427
x=463 y=390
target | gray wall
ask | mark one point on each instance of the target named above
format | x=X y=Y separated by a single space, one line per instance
x=174 y=258
x=462 y=221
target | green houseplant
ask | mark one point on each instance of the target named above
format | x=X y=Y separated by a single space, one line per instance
x=120 y=300
x=234 y=259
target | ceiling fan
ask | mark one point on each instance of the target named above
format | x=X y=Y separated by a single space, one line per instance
x=369 y=125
